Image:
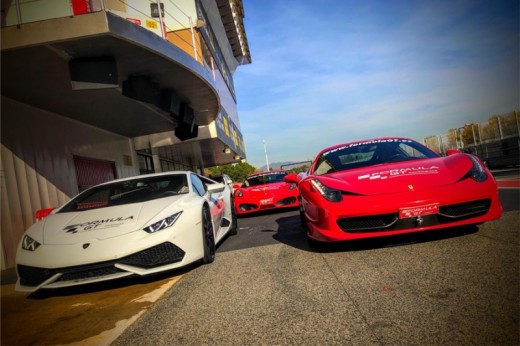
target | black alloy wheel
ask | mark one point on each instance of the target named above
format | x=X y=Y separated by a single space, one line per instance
x=208 y=237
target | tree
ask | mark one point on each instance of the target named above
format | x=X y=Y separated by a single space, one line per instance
x=236 y=171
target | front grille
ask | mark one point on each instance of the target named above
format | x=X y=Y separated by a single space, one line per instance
x=375 y=222
x=247 y=206
x=463 y=210
x=286 y=201
x=391 y=222
x=162 y=254
x=159 y=255
x=32 y=276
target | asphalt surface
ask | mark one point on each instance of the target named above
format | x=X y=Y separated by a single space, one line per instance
x=266 y=286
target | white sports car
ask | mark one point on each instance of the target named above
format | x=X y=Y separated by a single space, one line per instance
x=135 y=226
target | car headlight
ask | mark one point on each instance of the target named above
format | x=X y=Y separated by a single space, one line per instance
x=329 y=194
x=292 y=186
x=239 y=194
x=29 y=243
x=477 y=172
x=164 y=223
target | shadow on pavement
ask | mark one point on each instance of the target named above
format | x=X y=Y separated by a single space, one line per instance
x=290 y=232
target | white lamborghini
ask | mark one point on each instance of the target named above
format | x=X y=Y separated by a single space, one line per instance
x=135 y=226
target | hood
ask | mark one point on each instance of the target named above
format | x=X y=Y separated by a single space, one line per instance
x=103 y=223
x=266 y=189
x=401 y=176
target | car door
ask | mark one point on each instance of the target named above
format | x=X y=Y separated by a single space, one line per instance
x=215 y=200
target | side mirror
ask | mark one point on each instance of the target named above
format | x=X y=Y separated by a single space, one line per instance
x=452 y=152
x=291 y=178
x=237 y=186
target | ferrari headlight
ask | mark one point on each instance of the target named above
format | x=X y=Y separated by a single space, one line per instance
x=292 y=186
x=477 y=172
x=29 y=243
x=164 y=223
x=329 y=194
x=240 y=194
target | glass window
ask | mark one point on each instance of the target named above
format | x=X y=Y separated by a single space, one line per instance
x=129 y=191
x=198 y=186
x=373 y=152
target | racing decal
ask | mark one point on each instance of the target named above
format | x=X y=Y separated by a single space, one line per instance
x=97 y=224
x=394 y=173
x=419 y=211
x=375 y=141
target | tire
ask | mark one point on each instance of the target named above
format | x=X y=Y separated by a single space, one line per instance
x=313 y=244
x=234 y=219
x=208 y=237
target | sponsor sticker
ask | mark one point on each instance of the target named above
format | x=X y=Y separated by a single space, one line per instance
x=266 y=201
x=97 y=224
x=394 y=173
x=422 y=210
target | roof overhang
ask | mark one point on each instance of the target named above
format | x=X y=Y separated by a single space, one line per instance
x=35 y=70
x=232 y=14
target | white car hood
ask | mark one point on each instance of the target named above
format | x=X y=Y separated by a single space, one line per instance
x=103 y=223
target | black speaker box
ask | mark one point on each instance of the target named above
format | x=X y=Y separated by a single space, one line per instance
x=170 y=103
x=187 y=116
x=186 y=131
x=93 y=73
x=142 y=89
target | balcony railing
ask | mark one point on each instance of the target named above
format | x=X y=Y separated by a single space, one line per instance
x=176 y=22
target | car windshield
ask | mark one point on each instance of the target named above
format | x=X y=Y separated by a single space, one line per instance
x=267 y=178
x=128 y=191
x=369 y=153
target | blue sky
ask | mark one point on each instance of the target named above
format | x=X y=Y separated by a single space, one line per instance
x=325 y=72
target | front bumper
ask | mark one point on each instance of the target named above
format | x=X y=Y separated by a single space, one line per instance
x=359 y=217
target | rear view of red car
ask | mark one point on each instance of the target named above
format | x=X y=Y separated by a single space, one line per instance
x=264 y=191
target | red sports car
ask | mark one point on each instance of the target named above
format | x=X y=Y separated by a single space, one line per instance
x=389 y=186
x=267 y=190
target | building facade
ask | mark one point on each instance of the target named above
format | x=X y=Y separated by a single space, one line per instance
x=94 y=90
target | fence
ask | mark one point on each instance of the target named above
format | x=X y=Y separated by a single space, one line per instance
x=496 y=141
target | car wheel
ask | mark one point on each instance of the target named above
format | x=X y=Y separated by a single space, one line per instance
x=302 y=219
x=234 y=219
x=208 y=236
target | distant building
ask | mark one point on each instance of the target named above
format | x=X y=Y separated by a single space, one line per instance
x=94 y=90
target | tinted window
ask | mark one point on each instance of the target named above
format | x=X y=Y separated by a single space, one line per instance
x=363 y=154
x=129 y=191
x=198 y=186
x=267 y=178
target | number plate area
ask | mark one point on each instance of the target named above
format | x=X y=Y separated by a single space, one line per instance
x=266 y=201
x=422 y=210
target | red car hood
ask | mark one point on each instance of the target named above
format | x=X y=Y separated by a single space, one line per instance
x=103 y=223
x=401 y=176
x=267 y=189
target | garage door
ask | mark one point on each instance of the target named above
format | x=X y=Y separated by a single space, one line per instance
x=90 y=172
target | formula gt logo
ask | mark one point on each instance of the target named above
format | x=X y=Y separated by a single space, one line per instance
x=393 y=173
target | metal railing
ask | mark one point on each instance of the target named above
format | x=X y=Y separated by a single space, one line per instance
x=170 y=23
x=496 y=141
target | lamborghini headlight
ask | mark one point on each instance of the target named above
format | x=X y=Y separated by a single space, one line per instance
x=164 y=223
x=477 y=172
x=29 y=243
x=329 y=194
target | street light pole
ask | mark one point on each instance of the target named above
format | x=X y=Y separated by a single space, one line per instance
x=266 y=159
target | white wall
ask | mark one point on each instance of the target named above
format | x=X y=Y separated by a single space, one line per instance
x=37 y=168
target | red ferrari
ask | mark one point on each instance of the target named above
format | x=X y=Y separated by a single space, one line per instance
x=263 y=191
x=389 y=186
